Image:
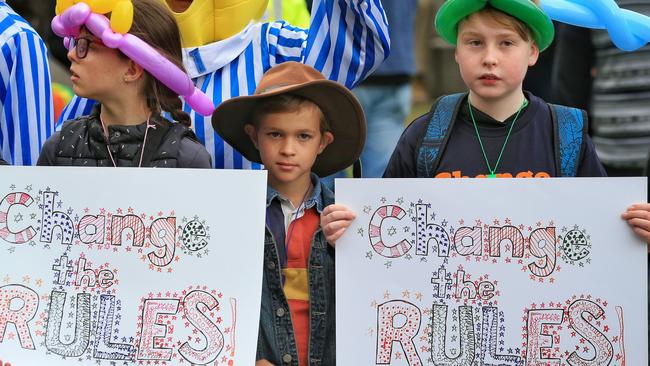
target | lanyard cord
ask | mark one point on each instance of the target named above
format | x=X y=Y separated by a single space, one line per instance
x=144 y=140
x=503 y=147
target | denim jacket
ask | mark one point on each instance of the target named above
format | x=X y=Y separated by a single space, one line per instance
x=276 y=342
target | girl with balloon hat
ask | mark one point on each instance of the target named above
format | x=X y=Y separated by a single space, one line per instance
x=229 y=45
x=495 y=129
x=134 y=76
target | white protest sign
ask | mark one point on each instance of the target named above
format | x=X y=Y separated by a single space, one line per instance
x=121 y=266
x=491 y=272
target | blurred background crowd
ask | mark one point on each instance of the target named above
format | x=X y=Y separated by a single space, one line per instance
x=581 y=69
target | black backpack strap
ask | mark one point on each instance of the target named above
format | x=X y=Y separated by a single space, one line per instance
x=570 y=130
x=432 y=143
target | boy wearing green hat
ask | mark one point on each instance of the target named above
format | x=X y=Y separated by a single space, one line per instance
x=495 y=129
x=301 y=127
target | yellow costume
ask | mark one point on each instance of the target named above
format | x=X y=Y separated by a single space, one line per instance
x=208 y=21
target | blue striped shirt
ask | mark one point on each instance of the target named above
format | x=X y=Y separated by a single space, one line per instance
x=346 y=41
x=27 y=116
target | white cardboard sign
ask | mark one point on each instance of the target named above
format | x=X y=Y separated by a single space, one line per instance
x=123 y=266
x=491 y=272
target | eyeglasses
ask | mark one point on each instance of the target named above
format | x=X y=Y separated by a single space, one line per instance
x=81 y=45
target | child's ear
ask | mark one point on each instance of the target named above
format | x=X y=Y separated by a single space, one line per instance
x=325 y=140
x=252 y=133
x=534 y=54
x=133 y=73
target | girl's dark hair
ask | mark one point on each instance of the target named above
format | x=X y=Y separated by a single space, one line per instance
x=155 y=25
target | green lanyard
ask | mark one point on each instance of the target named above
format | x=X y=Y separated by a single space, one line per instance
x=487 y=162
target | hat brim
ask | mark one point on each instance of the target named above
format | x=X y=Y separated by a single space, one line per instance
x=339 y=106
x=453 y=12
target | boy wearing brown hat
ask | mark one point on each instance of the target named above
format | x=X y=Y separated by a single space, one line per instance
x=300 y=126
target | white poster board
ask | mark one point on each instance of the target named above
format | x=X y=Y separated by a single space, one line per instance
x=491 y=272
x=122 y=266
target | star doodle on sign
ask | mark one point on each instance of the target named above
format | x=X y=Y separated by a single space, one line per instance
x=392 y=231
x=388 y=264
x=406 y=229
x=400 y=200
x=360 y=231
x=408 y=256
x=12 y=187
x=18 y=218
x=11 y=249
x=369 y=254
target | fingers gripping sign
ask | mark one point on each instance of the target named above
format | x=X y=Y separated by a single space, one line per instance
x=334 y=220
x=638 y=216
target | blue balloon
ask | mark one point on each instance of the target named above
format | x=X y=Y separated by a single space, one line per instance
x=628 y=30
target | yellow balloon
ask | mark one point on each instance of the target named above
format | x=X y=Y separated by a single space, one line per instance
x=122 y=16
x=101 y=6
x=61 y=5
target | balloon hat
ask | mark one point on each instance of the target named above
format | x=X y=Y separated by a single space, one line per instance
x=628 y=30
x=453 y=12
x=69 y=21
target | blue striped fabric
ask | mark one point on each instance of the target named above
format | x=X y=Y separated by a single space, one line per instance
x=347 y=39
x=27 y=114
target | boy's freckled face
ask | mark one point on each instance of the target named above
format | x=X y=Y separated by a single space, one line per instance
x=289 y=143
x=492 y=58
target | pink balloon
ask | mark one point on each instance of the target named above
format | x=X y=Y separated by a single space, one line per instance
x=70 y=21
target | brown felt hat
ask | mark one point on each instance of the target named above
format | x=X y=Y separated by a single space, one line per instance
x=339 y=106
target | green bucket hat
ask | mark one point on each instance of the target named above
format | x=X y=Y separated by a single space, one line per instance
x=453 y=12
